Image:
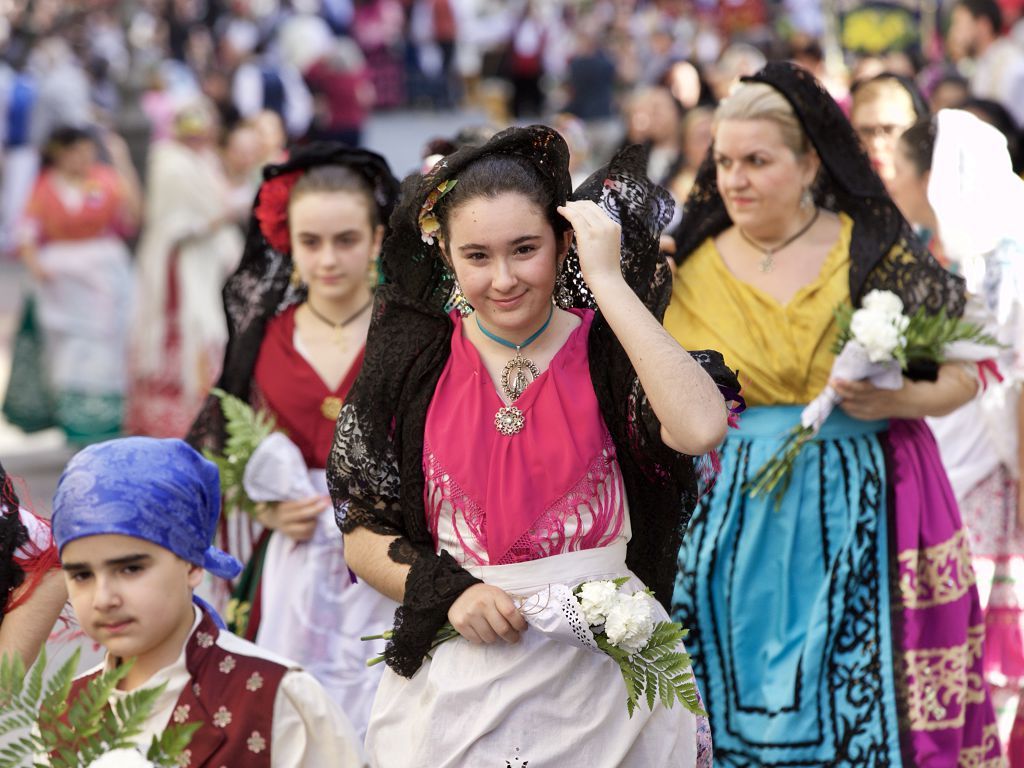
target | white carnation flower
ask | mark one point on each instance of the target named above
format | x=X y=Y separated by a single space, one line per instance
x=883 y=302
x=596 y=598
x=630 y=622
x=121 y=758
x=878 y=334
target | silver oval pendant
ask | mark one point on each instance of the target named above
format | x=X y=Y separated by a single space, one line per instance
x=514 y=379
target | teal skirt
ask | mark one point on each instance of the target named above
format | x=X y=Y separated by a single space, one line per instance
x=789 y=606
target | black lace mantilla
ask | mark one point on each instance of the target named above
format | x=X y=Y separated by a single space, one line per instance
x=375 y=470
x=12 y=536
x=260 y=288
x=885 y=253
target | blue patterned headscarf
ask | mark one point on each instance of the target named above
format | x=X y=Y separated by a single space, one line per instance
x=161 y=491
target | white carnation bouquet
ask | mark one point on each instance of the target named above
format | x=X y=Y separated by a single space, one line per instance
x=600 y=616
x=877 y=343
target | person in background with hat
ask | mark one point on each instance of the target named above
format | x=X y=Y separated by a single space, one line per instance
x=189 y=246
x=133 y=519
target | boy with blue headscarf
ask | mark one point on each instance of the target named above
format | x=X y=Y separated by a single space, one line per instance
x=133 y=520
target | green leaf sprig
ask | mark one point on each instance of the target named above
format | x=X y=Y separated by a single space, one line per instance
x=76 y=735
x=246 y=428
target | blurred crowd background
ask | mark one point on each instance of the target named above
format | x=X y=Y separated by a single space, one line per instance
x=143 y=125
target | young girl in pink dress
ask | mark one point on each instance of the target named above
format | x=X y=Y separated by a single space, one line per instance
x=485 y=457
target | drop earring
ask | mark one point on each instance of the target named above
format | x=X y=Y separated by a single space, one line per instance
x=562 y=296
x=457 y=300
x=806 y=199
x=296 y=277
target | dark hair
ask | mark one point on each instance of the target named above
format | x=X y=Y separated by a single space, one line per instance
x=494 y=175
x=918 y=144
x=951 y=77
x=12 y=536
x=984 y=9
x=61 y=138
x=337 y=178
x=809 y=48
x=995 y=114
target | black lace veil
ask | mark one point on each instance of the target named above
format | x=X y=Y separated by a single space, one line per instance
x=884 y=252
x=260 y=288
x=12 y=536
x=375 y=470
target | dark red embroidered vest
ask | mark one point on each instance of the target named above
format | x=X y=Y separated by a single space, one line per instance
x=231 y=695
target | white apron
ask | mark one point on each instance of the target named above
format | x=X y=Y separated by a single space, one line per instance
x=313 y=612
x=542 y=701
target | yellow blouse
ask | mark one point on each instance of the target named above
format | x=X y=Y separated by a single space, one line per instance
x=783 y=352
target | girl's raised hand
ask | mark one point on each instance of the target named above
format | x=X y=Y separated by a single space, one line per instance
x=598 y=241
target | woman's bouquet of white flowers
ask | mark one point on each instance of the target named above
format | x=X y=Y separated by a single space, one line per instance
x=647 y=651
x=601 y=617
x=877 y=343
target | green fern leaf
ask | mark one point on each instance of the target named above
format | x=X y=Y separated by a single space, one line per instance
x=12 y=676
x=651 y=684
x=133 y=710
x=13 y=755
x=166 y=748
x=15 y=721
x=245 y=429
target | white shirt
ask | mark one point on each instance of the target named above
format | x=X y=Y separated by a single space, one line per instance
x=310 y=731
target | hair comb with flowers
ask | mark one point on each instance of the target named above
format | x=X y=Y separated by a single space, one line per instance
x=429 y=224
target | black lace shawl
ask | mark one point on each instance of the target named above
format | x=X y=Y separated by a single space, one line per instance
x=884 y=251
x=12 y=536
x=261 y=286
x=375 y=470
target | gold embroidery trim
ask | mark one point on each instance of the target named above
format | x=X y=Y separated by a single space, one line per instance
x=936 y=575
x=942 y=682
x=974 y=757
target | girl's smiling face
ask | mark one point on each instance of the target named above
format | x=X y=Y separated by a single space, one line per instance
x=506 y=257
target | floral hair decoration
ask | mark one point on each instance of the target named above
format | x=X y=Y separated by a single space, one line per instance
x=429 y=224
x=271 y=210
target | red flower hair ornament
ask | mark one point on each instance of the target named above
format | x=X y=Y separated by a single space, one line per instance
x=271 y=210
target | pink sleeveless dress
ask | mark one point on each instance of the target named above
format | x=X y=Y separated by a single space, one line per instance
x=526 y=512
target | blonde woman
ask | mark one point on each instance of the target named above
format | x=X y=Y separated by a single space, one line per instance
x=823 y=633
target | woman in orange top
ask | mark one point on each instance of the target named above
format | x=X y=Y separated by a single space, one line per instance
x=72 y=241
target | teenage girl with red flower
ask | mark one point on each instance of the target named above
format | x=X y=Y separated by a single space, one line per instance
x=298 y=311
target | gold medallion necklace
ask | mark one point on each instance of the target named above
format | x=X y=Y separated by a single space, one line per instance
x=509 y=420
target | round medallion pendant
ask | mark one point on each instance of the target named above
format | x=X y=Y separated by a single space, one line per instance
x=330 y=408
x=509 y=420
